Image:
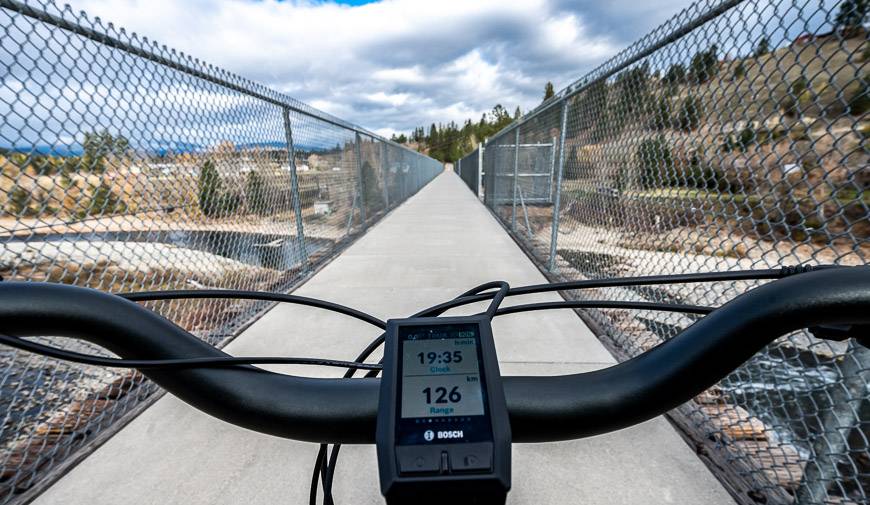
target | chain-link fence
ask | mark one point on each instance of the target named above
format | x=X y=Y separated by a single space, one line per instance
x=125 y=166
x=468 y=169
x=734 y=136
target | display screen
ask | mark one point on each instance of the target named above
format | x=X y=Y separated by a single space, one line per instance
x=440 y=372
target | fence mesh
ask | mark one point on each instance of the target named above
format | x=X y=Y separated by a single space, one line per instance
x=469 y=171
x=126 y=166
x=734 y=136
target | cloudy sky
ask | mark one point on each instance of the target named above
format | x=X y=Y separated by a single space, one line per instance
x=391 y=65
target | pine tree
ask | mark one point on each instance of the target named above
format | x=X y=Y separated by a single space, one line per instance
x=676 y=74
x=705 y=65
x=104 y=202
x=210 y=189
x=549 y=92
x=255 y=193
x=852 y=16
x=762 y=48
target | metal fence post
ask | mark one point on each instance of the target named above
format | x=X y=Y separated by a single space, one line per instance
x=294 y=188
x=480 y=149
x=554 y=233
x=360 y=183
x=516 y=176
x=385 y=171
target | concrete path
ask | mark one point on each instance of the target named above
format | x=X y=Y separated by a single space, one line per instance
x=438 y=244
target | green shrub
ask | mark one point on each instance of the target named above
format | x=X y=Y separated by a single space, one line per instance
x=17 y=202
x=255 y=193
x=656 y=162
x=704 y=65
x=214 y=201
x=676 y=74
x=210 y=188
x=744 y=138
x=633 y=88
x=702 y=176
x=661 y=116
x=103 y=202
x=739 y=71
x=689 y=116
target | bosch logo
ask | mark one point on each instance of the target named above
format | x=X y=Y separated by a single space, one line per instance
x=449 y=434
x=430 y=435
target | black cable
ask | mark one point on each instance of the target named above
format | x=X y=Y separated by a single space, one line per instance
x=174 y=364
x=329 y=470
x=606 y=304
x=473 y=296
x=318 y=463
x=497 y=298
x=739 y=275
x=333 y=459
x=147 y=296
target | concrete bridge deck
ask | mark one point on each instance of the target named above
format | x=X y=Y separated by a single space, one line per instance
x=436 y=245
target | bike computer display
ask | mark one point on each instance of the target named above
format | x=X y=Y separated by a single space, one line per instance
x=442 y=421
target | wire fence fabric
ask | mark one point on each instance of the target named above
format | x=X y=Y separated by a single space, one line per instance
x=733 y=136
x=127 y=166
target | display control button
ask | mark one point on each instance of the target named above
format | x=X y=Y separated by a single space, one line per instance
x=471 y=457
x=418 y=459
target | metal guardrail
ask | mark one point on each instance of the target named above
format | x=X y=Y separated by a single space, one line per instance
x=733 y=136
x=127 y=166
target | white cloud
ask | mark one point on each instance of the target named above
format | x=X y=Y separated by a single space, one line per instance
x=389 y=65
x=408 y=75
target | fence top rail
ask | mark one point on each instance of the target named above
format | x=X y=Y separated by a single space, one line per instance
x=549 y=144
x=666 y=33
x=66 y=19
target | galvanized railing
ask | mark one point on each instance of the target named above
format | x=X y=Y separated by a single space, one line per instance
x=125 y=166
x=733 y=136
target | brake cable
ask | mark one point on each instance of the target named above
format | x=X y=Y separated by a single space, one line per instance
x=325 y=467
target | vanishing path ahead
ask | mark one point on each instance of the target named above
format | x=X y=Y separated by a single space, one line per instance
x=435 y=246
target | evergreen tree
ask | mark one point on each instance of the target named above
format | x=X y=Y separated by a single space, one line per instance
x=450 y=142
x=210 y=189
x=739 y=71
x=96 y=146
x=676 y=74
x=633 y=90
x=705 y=65
x=103 y=202
x=255 y=193
x=549 y=92
x=689 y=116
x=852 y=16
x=656 y=162
x=762 y=48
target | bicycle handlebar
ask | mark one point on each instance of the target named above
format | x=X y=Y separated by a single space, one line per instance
x=541 y=409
